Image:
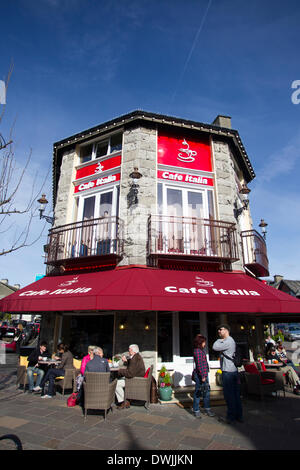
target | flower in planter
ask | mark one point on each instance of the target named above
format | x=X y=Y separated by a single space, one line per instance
x=164 y=378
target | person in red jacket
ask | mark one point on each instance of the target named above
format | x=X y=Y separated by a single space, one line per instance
x=200 y=377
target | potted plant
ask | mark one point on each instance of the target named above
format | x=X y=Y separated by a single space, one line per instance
x=116 y=361
x=219 y=380
x=164 y=385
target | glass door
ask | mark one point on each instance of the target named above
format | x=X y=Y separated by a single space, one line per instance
x=97 y=232
x=105 y=227
x=174 y=234
x=194 y=230
x=183 y=227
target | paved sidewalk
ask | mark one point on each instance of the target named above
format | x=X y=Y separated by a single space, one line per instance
x=50 y=424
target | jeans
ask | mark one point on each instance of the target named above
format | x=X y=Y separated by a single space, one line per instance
x=39 y=375
x=201 y=389
x=51 y=374
x=231 y=390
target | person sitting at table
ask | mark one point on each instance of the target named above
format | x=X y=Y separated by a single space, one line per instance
x=287 y=370
x=135 y=367
x=281 y=352
x=85 y=360
x=65 y=363
x=34 y=368
x=58 y=353
x=98 y=363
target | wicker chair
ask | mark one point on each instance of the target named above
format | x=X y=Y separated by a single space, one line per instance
x=260 y=383
x=66 y=381
x=99 y=392
x=138 y=388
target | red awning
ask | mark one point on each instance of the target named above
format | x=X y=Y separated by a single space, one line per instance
x=138 y=288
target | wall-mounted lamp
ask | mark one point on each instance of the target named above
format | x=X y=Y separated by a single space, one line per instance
x=123 y=324
x=263 y=226
x=252 y=327
x=242 y=327
x=244 y=191
x=147 y=325
x=132 y=196
x=43 y=202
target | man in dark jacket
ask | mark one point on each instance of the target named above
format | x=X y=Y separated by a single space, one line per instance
x=98 y=363
x=33 y=365
x=135 y=368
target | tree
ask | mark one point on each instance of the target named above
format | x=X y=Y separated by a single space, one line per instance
x=11 y=179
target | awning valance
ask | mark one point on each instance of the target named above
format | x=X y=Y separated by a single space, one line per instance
x=142 y=288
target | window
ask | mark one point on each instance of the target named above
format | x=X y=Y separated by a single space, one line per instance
x=101 y=148
x=86 y=153
x=189 y=327
x=165 y=337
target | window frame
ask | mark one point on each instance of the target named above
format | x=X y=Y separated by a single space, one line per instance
x=94 y=145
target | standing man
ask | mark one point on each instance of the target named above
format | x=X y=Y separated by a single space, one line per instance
x=135 y=368
x=230 y=376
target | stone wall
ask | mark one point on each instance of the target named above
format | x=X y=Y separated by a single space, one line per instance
x=139 y=150
x=64 y=202
x=226 y=188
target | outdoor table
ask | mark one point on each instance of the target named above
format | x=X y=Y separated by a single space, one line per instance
x=273 y=366
x=49 y=363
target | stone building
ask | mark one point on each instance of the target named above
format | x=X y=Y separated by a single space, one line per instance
x=152 y=242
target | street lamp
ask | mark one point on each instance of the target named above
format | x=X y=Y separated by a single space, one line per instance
x=244 y=191
x=43 y=202
x=263 y=226
x=132 y=196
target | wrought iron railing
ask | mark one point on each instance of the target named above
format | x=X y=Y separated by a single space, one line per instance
x=94 y=237
x=255 y=252
x=190 y=236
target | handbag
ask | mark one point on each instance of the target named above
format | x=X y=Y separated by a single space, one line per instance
x=72 y=400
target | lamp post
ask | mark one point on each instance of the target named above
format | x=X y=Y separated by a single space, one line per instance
x=244 y=191
x=132 y=196
x=43 y=202
x=263 y=226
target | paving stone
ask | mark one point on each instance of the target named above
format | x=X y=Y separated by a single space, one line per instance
x=217 y=445
x=11 y=422
x=197 y=443
x=161 y=420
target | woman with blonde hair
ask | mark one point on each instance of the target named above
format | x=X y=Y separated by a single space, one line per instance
x=85 y=360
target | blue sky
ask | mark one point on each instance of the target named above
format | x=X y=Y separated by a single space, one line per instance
x=78 y=63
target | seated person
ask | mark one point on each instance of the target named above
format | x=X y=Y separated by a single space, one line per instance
x=289 y=371
x=85 y=360
x=98 y=363
x=281 y=352
x=135 y=368
x=33 y=366
x=66 y=363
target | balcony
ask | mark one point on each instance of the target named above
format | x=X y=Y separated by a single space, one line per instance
x=255 y=253
x=87 y=243
x=190 y=240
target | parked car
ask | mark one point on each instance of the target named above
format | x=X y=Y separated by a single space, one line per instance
x=293 y=333
x=15 y=323
x=7 y=335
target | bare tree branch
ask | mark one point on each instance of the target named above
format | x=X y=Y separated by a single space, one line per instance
x=13 y=200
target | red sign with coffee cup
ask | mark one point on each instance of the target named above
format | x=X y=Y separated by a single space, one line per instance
x=184 y=152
